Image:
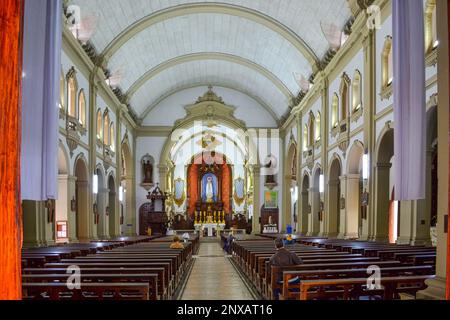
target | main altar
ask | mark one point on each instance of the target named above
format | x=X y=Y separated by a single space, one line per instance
x=209 y=191
x=209 y=223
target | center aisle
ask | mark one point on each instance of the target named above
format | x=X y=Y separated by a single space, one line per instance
x=213 y=277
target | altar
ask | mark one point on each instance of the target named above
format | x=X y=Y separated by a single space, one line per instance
x=210 y=229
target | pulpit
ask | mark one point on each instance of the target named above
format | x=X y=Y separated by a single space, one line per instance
x=152 y=215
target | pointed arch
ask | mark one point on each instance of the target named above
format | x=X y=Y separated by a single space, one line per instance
x=106 y=132
x=72 y=89
x=431 y=41
x=82 y=108
x=356 y=91
x=344 y=93
x=335 y=111
x=99 y=125
x=387 y=63
x=311 y=131
x=318 y=127
x=62 y=88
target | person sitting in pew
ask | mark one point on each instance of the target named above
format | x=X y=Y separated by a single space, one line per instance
x=176 y=244
x=283 y=258
x=229 y=241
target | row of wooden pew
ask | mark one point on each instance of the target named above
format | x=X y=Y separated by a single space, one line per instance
x=139 y=268
x=336 y=269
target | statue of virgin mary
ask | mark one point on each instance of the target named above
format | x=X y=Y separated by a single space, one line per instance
x=209 y=188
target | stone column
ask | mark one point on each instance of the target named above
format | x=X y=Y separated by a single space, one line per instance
x=84 y=214
x=103 y=221
x=130 y=215
x=369 y=111
x=62 y=204
x=300 y=218
x=414 y=226
x=37 y=230
x=342 y=212
x=71 y=216
x=436 y=287
x=324 y=224
x=313 y=221
x=256 y=226
x=333 y=211
x=382 y=199
x=304 y=215
x=352 y=207
x=93 y=90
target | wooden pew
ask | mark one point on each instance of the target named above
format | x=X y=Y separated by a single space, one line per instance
x=150 y=279
x=166 y=289
x=270 y=283
x=87 y=291
x=159 y=272
x=292 y=291
x=354 y=288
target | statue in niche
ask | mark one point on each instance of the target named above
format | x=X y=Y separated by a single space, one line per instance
x=270 y=178
x=148 y=171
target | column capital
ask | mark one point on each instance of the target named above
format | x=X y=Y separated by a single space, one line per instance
x=381 y=165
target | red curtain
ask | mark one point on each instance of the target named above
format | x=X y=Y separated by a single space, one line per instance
x=10 y=95
x=193 y=177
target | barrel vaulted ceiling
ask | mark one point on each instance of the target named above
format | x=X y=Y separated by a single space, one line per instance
x=254 y=46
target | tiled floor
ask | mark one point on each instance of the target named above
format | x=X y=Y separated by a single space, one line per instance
x=213 y=277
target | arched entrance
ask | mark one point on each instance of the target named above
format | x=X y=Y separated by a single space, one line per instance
x=354 y=189
x=101 y=200
x=83 y=223
x=334 y=192
x=112 y=197
x=305 y=207
x=314 y=223
x=383 y=182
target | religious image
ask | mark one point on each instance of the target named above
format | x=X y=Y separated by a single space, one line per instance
x=209 y=188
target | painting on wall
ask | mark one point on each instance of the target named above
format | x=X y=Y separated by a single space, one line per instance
x=271 y=199
x=179 y=194
x=239 y=191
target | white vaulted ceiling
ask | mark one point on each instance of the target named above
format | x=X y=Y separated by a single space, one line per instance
x=254 y=46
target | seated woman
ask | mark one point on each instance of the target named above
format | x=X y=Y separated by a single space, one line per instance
x=176 y=244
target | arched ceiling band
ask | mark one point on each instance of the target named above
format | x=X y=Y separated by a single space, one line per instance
x=216 y=84
x=219 y=8
x=208 y=56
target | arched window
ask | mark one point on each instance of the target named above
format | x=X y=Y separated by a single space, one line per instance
x=62 y=87
x=318 y=128
x=356 y=92
x=345 y=81
x=112 y=137
x=71 y=96
x=335 y=111
x=106 y=138
x=311 y=130
x=82 y=108
x=99 y=125
x=387 y=63
x=305 y=138
x=431 y=41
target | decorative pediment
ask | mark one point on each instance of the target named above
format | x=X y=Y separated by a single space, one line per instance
x=210 y=109
x=210 y=95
